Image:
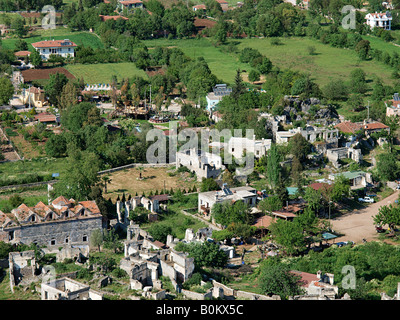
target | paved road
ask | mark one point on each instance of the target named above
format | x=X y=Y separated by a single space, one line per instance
x=359 y=224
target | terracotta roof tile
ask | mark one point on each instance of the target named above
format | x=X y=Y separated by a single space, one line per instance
x=53 y=44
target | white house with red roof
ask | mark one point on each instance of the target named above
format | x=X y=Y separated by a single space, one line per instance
x=379 y=19
x=64 y=48
x=129 y=4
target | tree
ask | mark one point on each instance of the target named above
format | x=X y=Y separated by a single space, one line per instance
x=6 y=90
x=273 y=166
x=299 y=147
x=96 y=238
x=160 y=232
x=387 y=166
x=15 y=200
x=36 y=59
x=56 y=146
x=225 y=213
x=363 y=48
x=313 y=198
x=207 y=254
x=83 y=168
x=340 y=189
x=278 y=280
x=358 y=81
x=19 y=27
x=238 y=87
x=388 y=215
x=289 y=235
x=54 y=87
x=254 y=75
x=208 y=184
x=69 y=95
x=105 y=179
x=270 y=204
x=335 y=90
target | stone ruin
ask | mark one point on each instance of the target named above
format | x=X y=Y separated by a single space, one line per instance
x=22 y=266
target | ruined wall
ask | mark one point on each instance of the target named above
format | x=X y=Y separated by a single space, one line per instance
x=195 y=295
x=74 y=230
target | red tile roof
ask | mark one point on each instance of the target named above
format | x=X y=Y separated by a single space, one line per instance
x=375 y=125
x=128 y=2
x=53 y=44
x=264 y=221
x=22 y=53
x=90 y=205
x=45 y=117
x=306 y=278
x=348 y=127
x=320 y=185
x=105 y=18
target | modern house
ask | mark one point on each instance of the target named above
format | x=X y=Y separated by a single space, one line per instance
x=393 y=106
x=129 y=5
x=219 y=91
x=33 y=97
x=207 y=199
x=357 y=179
x=64 y=48
x=379 y=19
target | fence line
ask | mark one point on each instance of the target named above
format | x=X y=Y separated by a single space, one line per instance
x=134 y=165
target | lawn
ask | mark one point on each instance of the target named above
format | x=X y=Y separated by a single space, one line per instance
x=102 y=72
x=80 y=38
x=327 y=64
x=221 y=64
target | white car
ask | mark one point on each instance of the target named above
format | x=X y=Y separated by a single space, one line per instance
x=366 y=199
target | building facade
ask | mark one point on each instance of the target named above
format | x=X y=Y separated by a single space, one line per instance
x=379 y=20
x=62 y=222
x=64 y=48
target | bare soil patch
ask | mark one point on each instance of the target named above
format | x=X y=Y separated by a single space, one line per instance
x=44 y=74
x=128 y=182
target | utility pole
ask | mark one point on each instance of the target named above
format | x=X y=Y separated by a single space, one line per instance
x=150 y=96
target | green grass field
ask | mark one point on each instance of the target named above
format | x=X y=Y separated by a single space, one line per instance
x=80 y=38
x=102 y=72
x=327 y=64
x=221 y=64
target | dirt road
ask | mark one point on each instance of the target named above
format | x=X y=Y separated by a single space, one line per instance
x=359 y=224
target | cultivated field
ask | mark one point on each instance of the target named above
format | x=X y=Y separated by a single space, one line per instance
x=127 y=181
x=44 y=74
x=102 y=72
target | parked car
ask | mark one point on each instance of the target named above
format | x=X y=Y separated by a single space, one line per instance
x=366 y=199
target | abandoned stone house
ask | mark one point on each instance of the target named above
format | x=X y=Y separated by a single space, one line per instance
x=336 y=154
x=145 y=260
x=61 y=222
x=68 y=289
x=149 y=203
x=238 y=146
x=203 y=164
x=206 y=200
x=312 y=134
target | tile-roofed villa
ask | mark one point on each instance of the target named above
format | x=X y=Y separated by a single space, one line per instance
x=64 y=48
x=60 y=222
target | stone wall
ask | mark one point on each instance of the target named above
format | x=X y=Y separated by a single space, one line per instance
x=195 y=295
x=73 y=229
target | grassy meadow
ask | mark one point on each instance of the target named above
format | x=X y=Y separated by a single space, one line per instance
x=102 y=72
